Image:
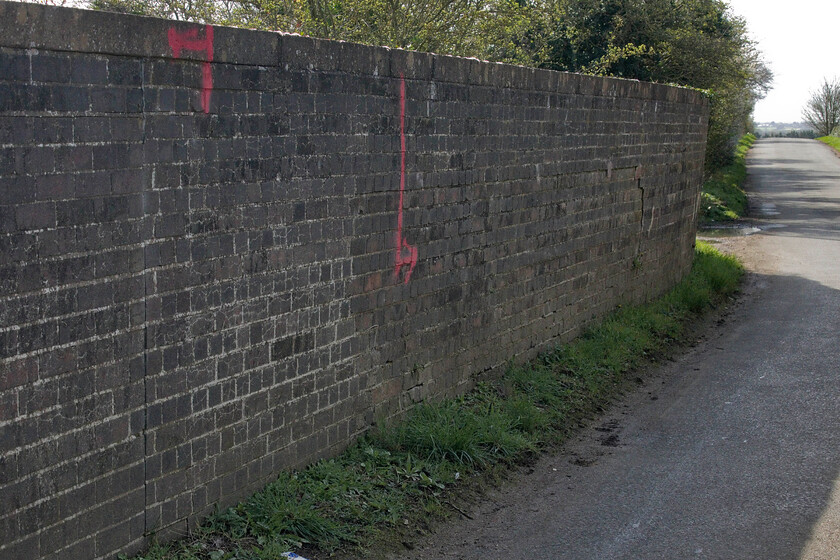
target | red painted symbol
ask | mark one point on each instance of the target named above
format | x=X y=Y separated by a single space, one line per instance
x=406 y=255
x=189 y=41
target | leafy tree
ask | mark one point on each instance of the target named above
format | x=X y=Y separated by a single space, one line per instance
x=823 y=108
x=503 y=30
x=500 y=30
x=281 y=15
x=426 y=25
x=695 y=43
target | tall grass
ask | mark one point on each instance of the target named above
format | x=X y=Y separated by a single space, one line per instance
x=723 y=197
x=400 y=475
x=832 y=141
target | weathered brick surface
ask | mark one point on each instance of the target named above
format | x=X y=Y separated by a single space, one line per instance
x=201 y=276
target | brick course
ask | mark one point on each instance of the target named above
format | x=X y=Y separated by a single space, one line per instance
x=198 y=283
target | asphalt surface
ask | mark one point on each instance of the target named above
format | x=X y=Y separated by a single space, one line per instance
x=733 y=450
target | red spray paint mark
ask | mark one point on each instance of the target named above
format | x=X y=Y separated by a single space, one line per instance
x=406 y=255
x=189 y=41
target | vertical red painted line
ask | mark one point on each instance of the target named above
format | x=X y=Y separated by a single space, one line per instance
x=402 y=157
x=207 y=70
x=405 y=254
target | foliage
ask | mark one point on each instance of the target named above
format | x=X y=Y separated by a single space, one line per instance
x=223 y=12
x=401 y=475
x=462 y=27
x=68 y=3
x=822 y=111
x=500 y=30
x=832 y=141
x=723 y=197
x=695 y=43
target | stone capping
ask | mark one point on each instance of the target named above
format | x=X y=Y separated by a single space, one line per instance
x=35 y=26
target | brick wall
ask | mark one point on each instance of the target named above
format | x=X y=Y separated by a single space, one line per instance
x=225 y=252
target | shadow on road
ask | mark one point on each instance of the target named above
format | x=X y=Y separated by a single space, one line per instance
x=729 y=453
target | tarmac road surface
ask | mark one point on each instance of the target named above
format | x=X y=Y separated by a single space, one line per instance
x=733 y=451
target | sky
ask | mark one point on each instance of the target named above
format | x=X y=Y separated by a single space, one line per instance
x=799 y=42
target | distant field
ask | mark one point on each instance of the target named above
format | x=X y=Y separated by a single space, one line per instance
x=798 y=129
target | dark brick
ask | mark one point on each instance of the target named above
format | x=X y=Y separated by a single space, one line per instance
x=92 y=129
x=54 y=187
x=224 y=284
x=14 y=66
x=35 y=216
x=126 y=129
x=16 y=129
x=75 y=212
x=16 y=190
x=304 y=342
x=50 y=68
x=283 y=348
x=112 y=156
x=125 y=72
x=13 y=97
x=27 y=547
x=108 y=99
x=73 y=158
x=86 y=69
x=93 y=184
x=171 y=225
x=39 y=159
x=75 y=99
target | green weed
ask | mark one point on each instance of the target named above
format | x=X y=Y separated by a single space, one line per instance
x=832 y=141
x=400 y=475
x=723 y=197
x=467 y=433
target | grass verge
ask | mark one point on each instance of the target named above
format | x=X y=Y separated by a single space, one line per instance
x=832 y=141
x=722 y=198
x=401 y=476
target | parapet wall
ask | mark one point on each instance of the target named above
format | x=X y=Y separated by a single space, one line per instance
x=225 y=252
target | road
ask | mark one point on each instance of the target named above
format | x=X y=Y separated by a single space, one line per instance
x=733 y=450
